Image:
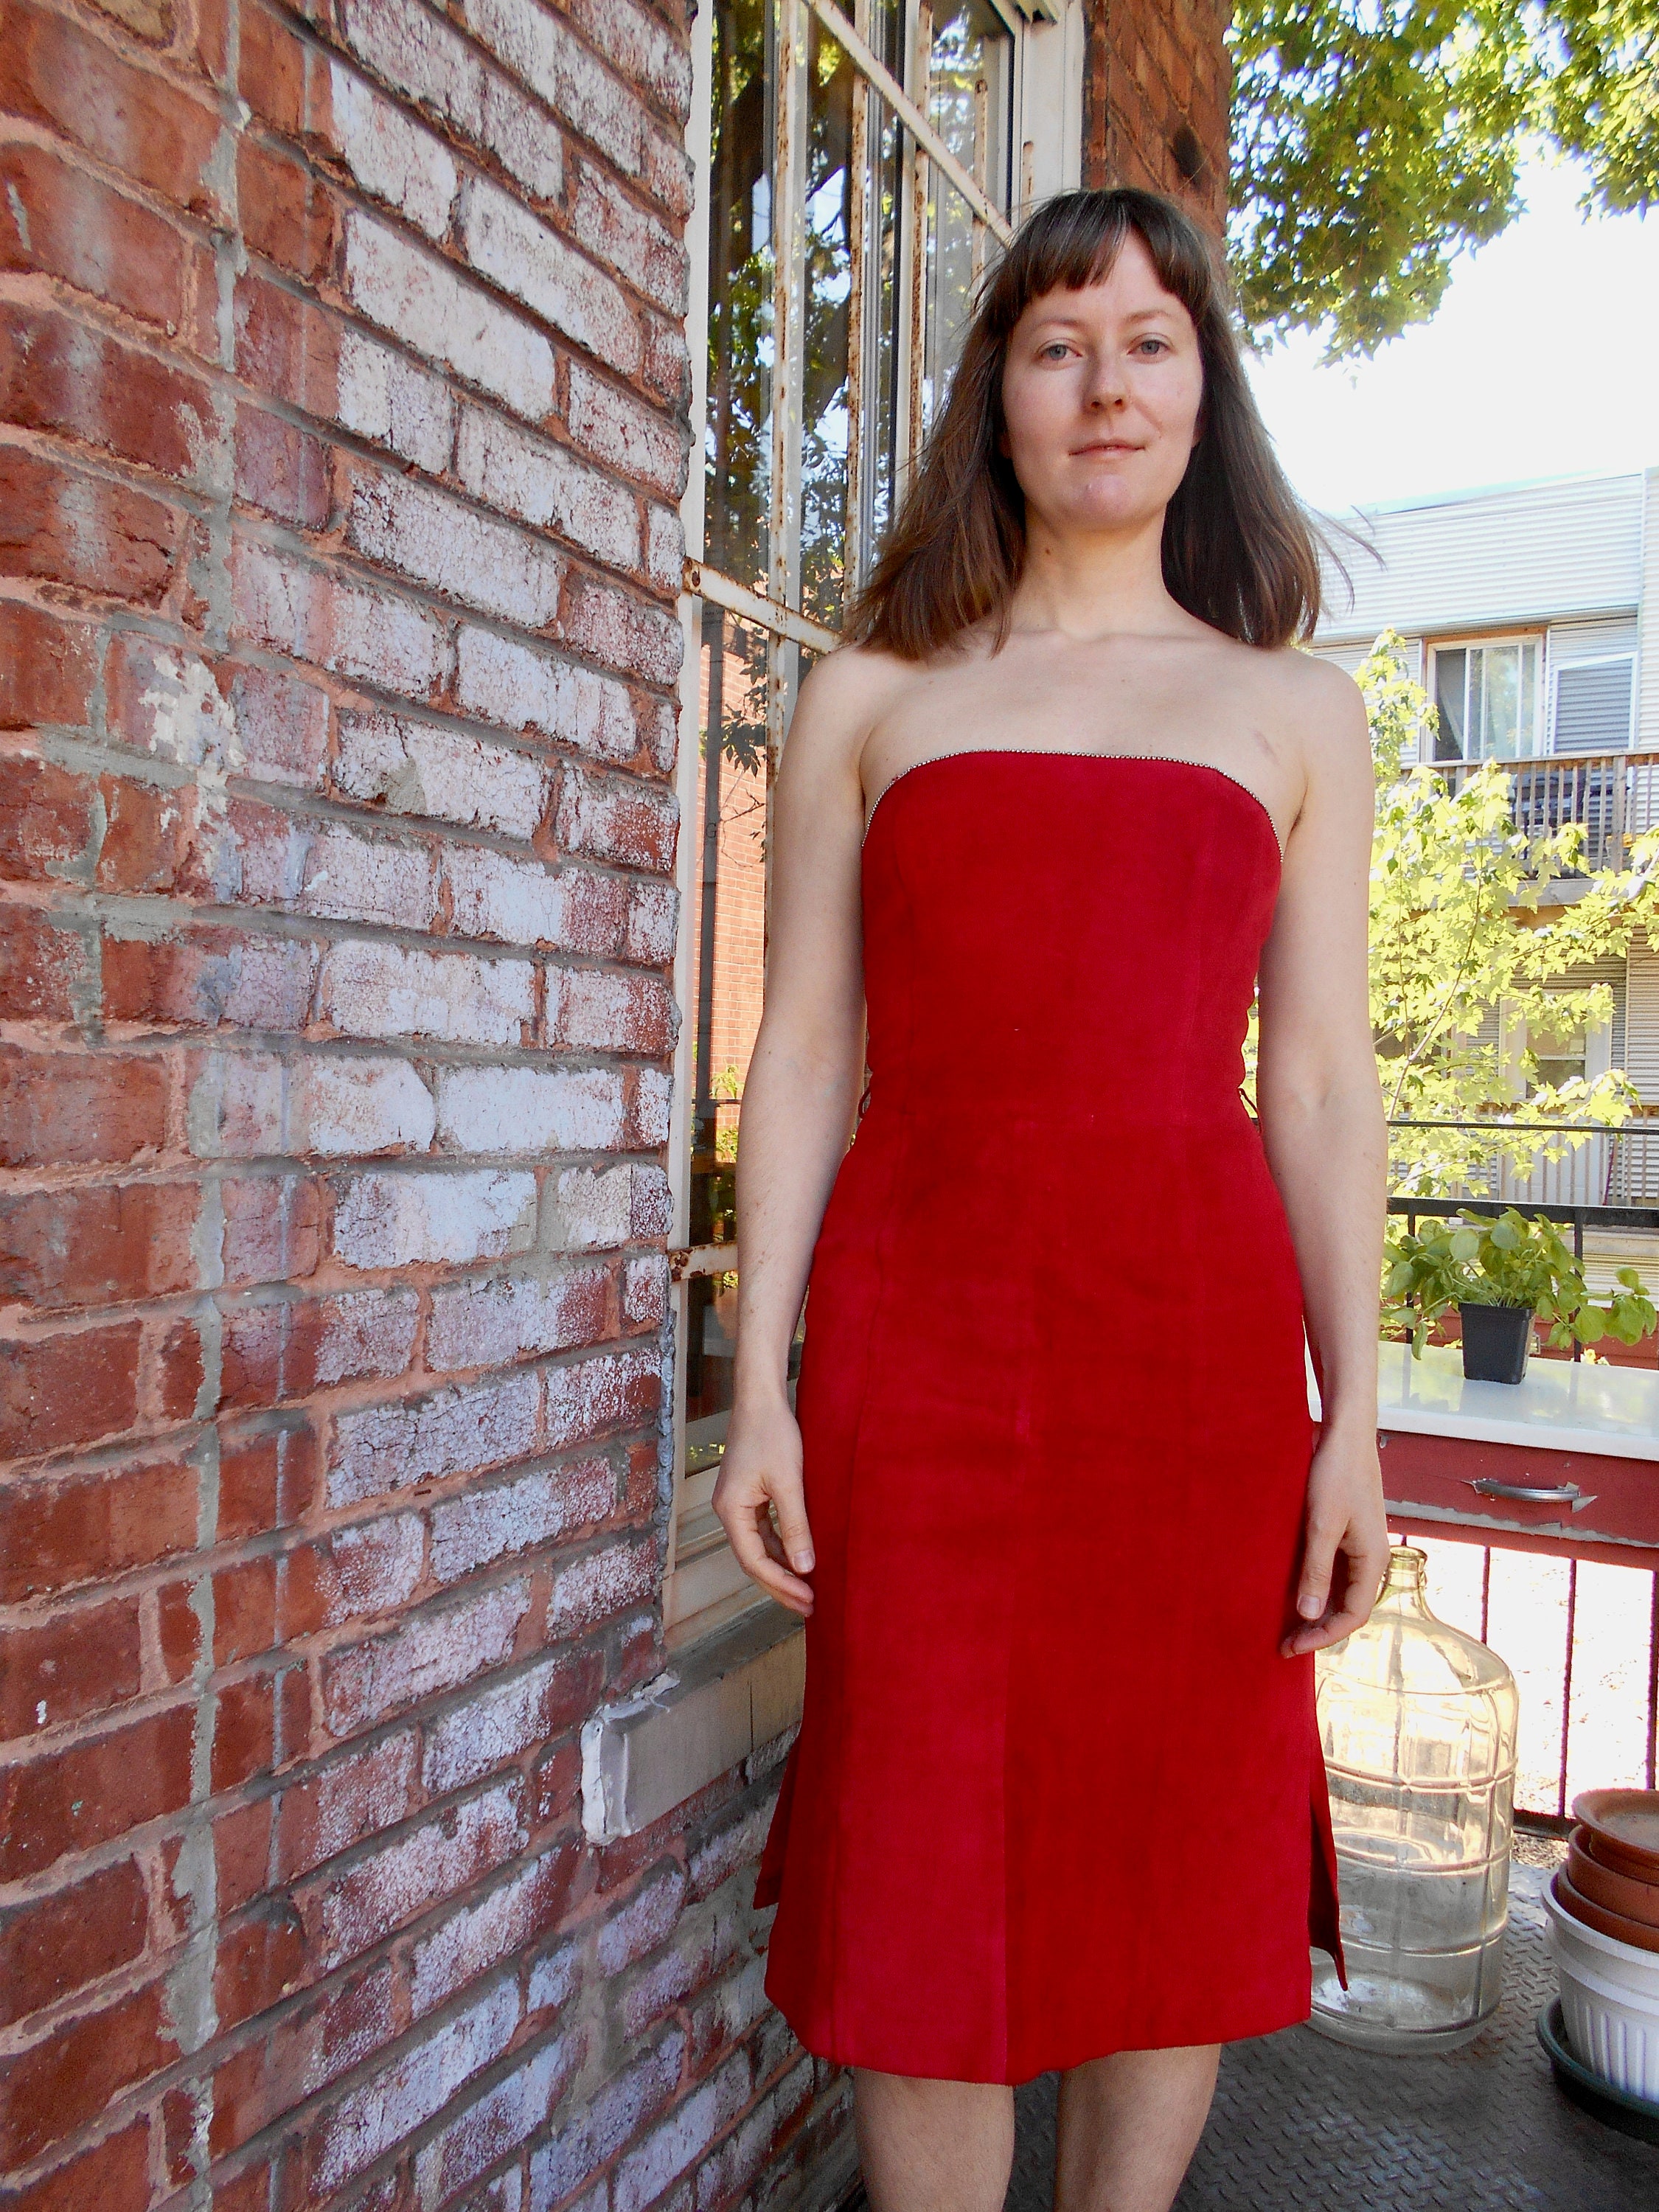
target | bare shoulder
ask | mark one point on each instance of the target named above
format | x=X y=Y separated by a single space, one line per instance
x=840 y=700
x=1322 y=711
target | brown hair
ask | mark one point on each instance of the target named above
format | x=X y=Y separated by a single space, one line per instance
x=1240 y=550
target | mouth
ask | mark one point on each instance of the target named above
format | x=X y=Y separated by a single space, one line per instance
x=1107 y=446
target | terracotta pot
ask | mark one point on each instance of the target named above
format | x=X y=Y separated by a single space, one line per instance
x=1614 y=1892
x=1635 y=1933
x=1624 y=1830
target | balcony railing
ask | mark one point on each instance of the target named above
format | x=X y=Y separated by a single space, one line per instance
x=1509 y=1160
x=1613 y=795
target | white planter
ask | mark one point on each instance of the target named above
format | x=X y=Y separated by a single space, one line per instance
x=1609 y=2002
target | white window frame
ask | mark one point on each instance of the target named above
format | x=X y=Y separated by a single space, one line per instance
x=1542 y=685
x=702 y=1596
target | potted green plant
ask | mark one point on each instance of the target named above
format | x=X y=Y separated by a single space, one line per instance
x=1501 y=1275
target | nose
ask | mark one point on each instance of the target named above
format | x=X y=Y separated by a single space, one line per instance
x=1108 y=386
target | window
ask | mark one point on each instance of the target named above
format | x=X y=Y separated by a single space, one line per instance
x=853 y=172
x=1488 y=696
x=1593 y=702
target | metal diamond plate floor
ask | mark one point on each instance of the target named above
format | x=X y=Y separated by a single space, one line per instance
x=1300 y=2125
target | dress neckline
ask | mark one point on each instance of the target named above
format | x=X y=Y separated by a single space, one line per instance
x=1065 y=752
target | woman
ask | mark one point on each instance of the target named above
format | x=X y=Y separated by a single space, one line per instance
x=1048 y=1499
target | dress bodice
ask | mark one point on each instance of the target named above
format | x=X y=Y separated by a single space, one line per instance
x=1064 y=937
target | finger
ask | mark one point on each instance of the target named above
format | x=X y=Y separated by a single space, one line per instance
x=1343 y=1615
x=1318 y=1559
x=750 y=1545
x=789 y=1502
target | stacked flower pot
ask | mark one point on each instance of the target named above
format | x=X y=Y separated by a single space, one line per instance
x=1603 y=1908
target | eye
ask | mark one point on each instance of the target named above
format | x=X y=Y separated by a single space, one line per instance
x=1053 y=346
x=1163 y=344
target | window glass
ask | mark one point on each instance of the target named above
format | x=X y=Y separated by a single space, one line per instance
x=1450 y=674
x=1487 y=696
x=738 y=429
x=971 y=78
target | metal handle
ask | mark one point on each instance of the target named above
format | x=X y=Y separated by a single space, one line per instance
x=1565 y=1493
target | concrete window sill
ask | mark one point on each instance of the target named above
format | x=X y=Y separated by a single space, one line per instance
x=722 y=1697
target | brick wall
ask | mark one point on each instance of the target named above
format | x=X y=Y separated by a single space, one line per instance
x=1156 y=91
x=344 y=381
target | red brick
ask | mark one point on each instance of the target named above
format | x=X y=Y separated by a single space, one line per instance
x=258 y=1963
x=67 y=1390
x=287 y=1349
x=71 y=1799
x=149 y=19
x=244 y=1732
x=56 y=1944
x=242 y=1854
x=265 y=1482
x=179 y=1629
x=45 y=820
x=114 y=2176
x=56 y=375
x=66 y=528
x=286 y=347
x=60 y=2084
x=51 y=70
x=150 y=841
x=245 y=1610
x=83 y=1661
x=351 y=1798
x=304 y=2052
x=176 y=1371
x=92 y=1247
x=94 y=239
x=62 y=1110
x=272 y=1228
x=80 y=1528
x=287 y=214
x=43 y=971
x=281 y=469
x=209 y=979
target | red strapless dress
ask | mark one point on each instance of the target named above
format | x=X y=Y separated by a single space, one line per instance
x=1055 y=1793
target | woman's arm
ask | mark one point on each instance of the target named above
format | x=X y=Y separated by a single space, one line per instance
x=799 y=1103
x=1321 y=1110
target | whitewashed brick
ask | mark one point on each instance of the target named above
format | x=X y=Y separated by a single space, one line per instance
x=493 y=1324
x=545 y=484
x=622 y=630
x=665 y=559
x=647 y=1919
x=393 y=2101
x=590 y=1589
x=415 y=767
x=588 y=2137
x=514 y=901
x=653 y=916
x=630 y=239
x=303 y=867
x=631 y=822
x=621 y=430
x=520 y=688
x=506 y=242
x=357 y=1106
x=607 y=1013
x=498 y=1724
x=588 y=1209
x=366 y=1333
x=538 y=49
x=468 y=1533
x=553 y=1978
x=408 y=1875
x=406 y=1219
x=389 y=154
x=531 y=1109
x=654 y=1099
x=384 y=396
x=645 y=1289
x=679 y=2141
x=426 y=61
x=358 y=1796
x=513 y=2109
x=377 y=1566
x=383 y=1448
x=642 y=46
x=441 y=541
x=610 y=1390
x=371 y=990
x=420 y=299
x=432 y=1652
x=309 y=615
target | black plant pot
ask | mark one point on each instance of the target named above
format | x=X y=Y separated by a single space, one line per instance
x=1496 y=1341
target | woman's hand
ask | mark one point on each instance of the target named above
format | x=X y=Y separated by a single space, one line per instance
x=1346 y=1516
x=761 y=1468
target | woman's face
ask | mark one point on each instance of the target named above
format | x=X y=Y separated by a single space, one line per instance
x=1100 y=392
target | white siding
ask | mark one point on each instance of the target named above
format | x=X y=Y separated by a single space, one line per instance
x=1525 y=555
x=1641 y=1021
x=1647 y=674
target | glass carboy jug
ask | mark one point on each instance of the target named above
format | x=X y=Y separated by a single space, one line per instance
x=1418 y=1722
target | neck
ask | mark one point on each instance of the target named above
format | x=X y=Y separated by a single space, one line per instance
x=1087 y=584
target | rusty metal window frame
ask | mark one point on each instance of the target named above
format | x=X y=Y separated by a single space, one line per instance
x=777 y=613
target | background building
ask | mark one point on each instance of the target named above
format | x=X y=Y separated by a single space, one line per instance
x=384 y=1752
